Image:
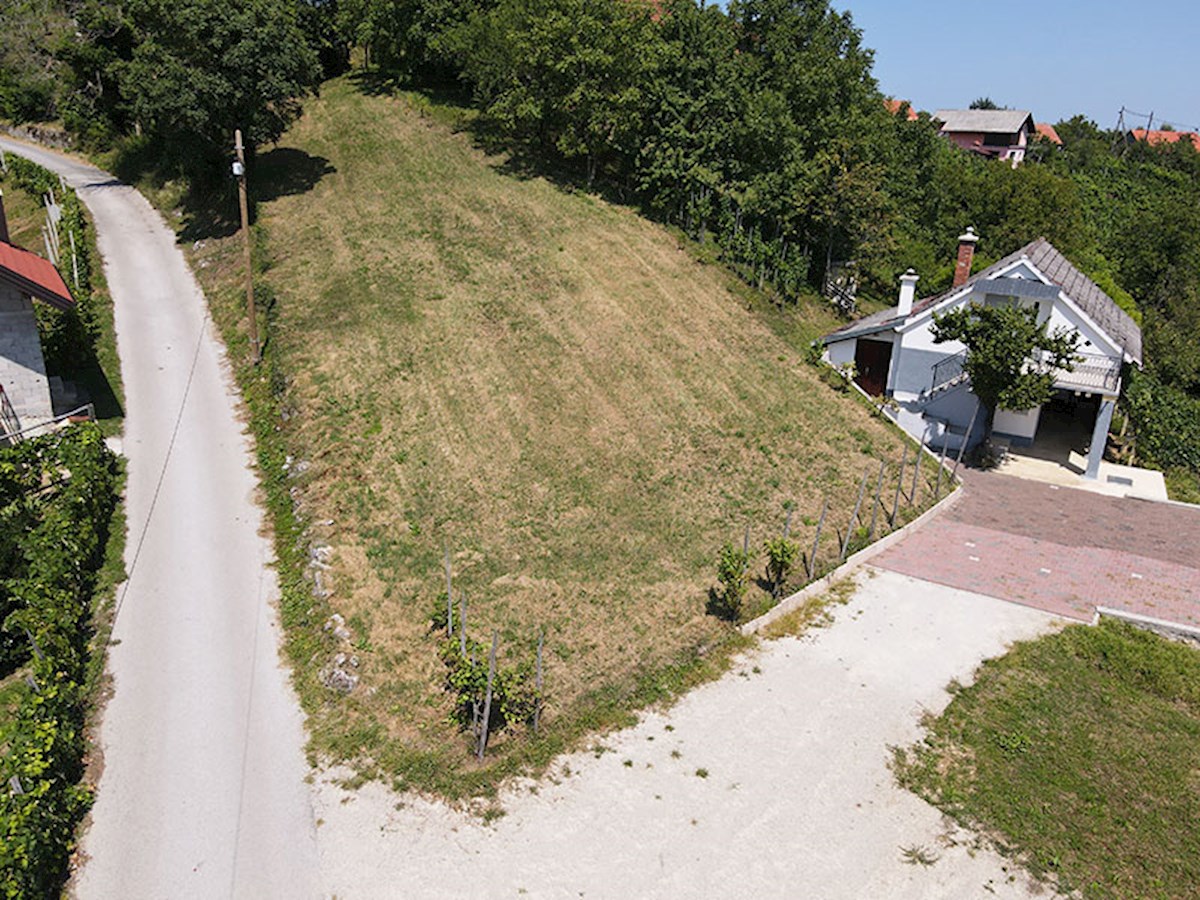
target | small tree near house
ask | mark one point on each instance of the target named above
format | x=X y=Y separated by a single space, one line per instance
x=1011 y=357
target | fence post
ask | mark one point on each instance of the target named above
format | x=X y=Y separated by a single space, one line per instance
x=462 y=624
x=912 y=497
x=537 y=705
x=487 y=700
x=812 y=562
x=862 y=487
x=962 y=449
x=937 y=490
x=449 y=592
x=875 y=504
x=899 y=486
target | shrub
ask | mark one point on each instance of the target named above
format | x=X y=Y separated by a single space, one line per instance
x=782 y=554
x=733 y=574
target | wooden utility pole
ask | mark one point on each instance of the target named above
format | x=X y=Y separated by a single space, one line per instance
x=239 y=169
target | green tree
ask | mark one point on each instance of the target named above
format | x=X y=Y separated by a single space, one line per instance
x=186 y=73
x=1011 y=357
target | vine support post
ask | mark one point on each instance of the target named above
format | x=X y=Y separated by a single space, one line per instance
x=487 y=698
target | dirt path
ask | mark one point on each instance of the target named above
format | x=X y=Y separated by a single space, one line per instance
x=796 y=800
x=203 y=790
x=1060 y=549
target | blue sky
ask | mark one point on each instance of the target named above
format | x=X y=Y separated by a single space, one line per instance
x=1053 y=58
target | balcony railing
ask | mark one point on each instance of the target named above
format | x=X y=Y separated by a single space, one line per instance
x=1090 y=373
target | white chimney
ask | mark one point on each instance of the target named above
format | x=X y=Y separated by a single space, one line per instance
x=908 y=290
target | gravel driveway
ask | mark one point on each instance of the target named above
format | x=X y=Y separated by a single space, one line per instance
x=772 y=782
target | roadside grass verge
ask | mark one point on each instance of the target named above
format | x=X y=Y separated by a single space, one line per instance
x=1080 y=753
x=557 y=390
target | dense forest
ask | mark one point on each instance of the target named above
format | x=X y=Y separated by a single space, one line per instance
x=757 y=127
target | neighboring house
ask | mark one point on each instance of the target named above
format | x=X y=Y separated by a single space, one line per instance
x=24 y=390
x=896 y=106
x=996 y=133
x=1046 y=130
x=894 y=353
x=1156 y=138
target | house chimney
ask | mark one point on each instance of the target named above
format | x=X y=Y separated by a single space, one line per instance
x=908 y=290
x=3 y=220
x=966 y=253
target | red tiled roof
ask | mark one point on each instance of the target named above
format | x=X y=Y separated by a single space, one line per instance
x=33 y=275
x=893 y=106
x=1154 y=138
x=1046 y=130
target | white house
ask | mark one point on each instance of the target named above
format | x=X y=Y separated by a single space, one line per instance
x=894 y=354
x=24 y=390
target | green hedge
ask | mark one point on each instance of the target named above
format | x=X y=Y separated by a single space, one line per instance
x=63 y=488
x=1166 y=421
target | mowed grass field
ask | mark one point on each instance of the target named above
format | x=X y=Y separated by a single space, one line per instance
x=547 y=384
x=1079 y=752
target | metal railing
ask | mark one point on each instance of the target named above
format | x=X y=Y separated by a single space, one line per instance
x=9 y=423
x=1090 y=373
x=948 y=372
x=86 y=412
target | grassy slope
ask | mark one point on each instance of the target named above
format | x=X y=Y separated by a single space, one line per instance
x=1082 y=751
x=548 y=383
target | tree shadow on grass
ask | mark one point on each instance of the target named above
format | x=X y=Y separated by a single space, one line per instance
x=209 y=206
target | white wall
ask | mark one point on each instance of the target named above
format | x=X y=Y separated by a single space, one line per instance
x=841 y=352
x=1020 y=425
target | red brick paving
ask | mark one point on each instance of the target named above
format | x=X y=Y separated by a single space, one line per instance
x=1063 y=550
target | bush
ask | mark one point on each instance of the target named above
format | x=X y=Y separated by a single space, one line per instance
x=733 y=574
x=782 y=554
x=1166 y=420
x=63 y=486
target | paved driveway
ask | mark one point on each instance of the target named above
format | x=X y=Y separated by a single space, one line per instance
x=1059 y=549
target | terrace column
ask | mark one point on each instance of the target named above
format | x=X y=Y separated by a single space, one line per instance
x=1099 y=436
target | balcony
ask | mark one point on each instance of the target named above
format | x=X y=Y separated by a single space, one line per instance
x=1092 y=373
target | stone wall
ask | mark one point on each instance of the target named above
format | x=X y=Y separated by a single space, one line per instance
x=22 y=368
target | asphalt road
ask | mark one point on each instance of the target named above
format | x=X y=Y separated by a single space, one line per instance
x=203 y=791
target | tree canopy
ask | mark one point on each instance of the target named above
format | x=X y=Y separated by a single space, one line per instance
x=1011 y=357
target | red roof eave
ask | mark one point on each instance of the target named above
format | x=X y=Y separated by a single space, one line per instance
x=32 y=275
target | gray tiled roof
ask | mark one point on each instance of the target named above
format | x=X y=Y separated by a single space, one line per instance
x=1008 y=121
x=1102 y=309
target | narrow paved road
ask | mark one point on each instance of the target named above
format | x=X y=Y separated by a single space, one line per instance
x=203 y=791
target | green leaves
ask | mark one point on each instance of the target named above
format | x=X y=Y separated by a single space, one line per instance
x=63 y=488
x=1002 y=344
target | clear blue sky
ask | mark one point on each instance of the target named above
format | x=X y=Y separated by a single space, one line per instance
x=1053 y=58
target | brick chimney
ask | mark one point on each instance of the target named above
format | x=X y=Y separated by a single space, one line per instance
x=908 y=290
x=966 y=253
x=3 y=220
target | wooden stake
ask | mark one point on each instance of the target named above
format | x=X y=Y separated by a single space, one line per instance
x=862 y=488
x=449 y=594
x=487 y=700
x=899 y=486
x=963 y=448
x=912 y=497
x=74 y=258
x=812 y=562
x=252 y=318
x=462 y=624
x=537 y=706
x=875 y=505
x=937 y=490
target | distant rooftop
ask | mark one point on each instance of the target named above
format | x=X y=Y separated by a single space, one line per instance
x=1006 y=121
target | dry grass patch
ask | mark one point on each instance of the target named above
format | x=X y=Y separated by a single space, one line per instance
x=555 y=388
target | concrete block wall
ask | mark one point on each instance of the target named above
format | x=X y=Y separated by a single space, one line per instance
x=22 y=368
